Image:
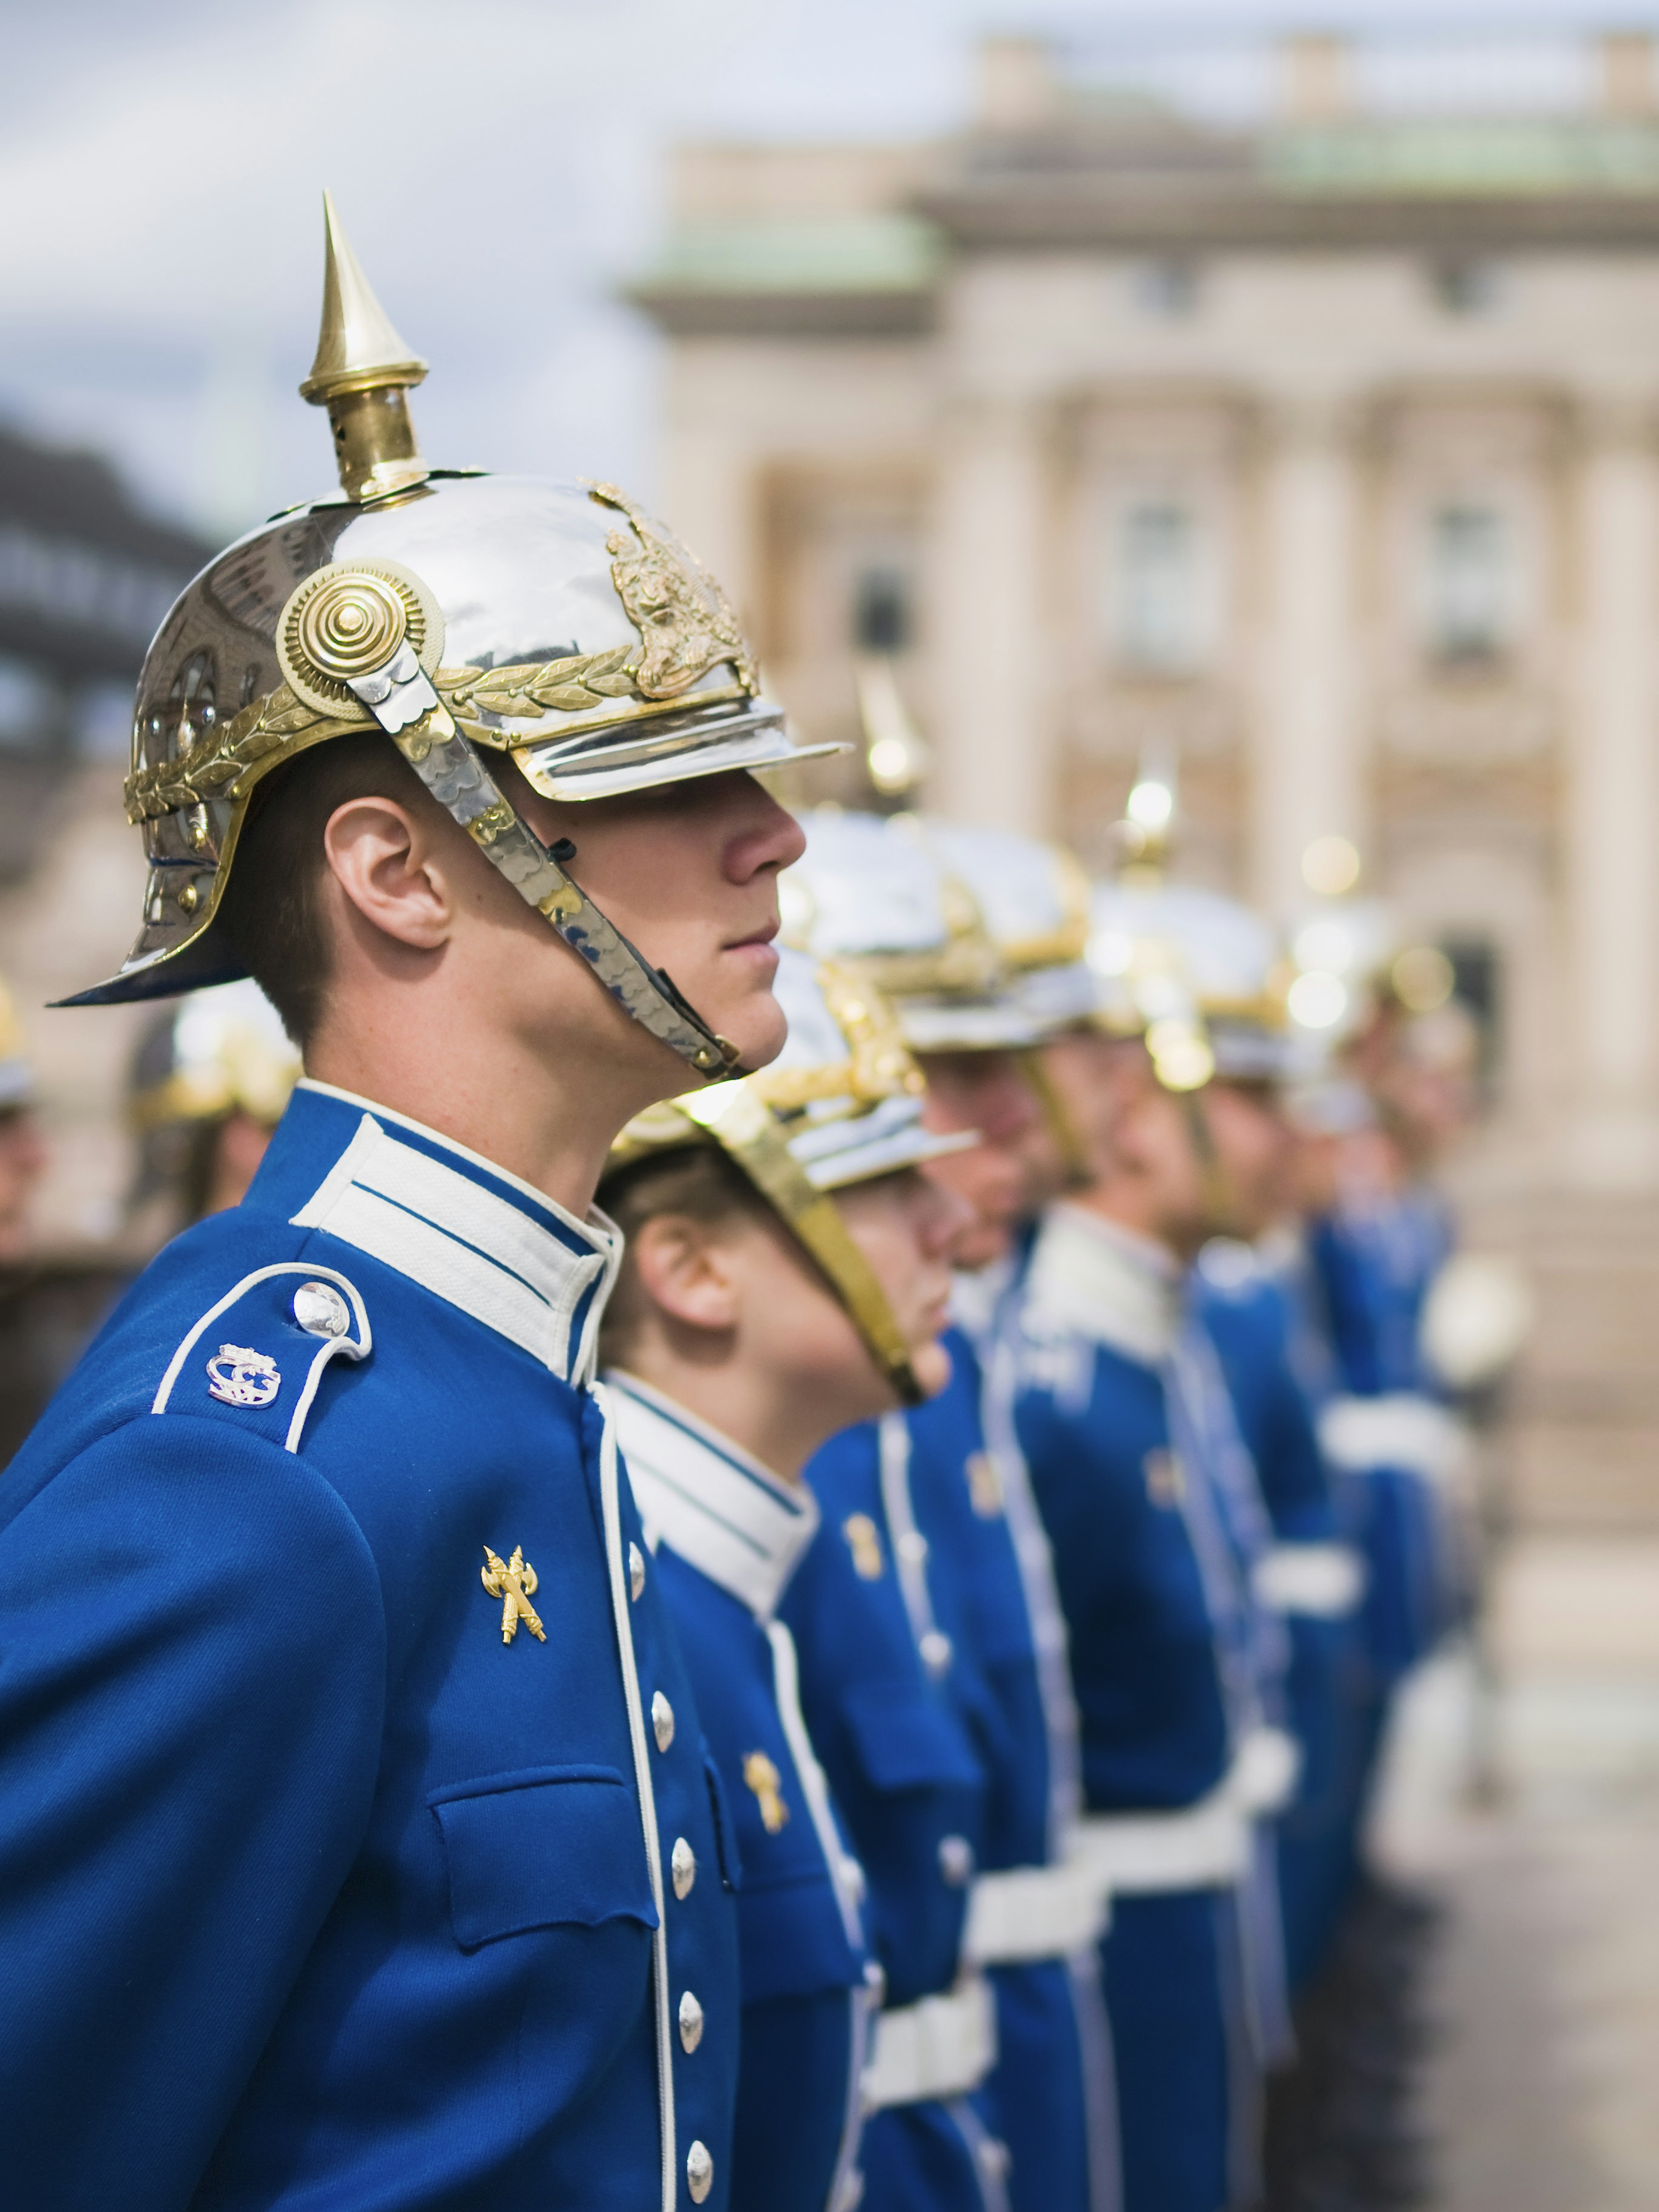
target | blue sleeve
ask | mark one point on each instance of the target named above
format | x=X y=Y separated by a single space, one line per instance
x=192 y=1686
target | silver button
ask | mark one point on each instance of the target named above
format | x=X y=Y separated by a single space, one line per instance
x=912 y=1548
x=699 y=2172
x=635 y=1572
x=320 y=1310
x=937 y=1651
x=683 y=1865
x=956 y=1860
x=995 y=2159
x=875 y=1980
x=852 y=1875
x=690 y=2023
x=662 y=1721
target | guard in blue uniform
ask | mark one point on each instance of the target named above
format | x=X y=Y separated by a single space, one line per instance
x=965 y=1511
x=1157 y=1534
x=891 y=1731
x=350 y=1759
x=729 y=1530
x=1313 y=1576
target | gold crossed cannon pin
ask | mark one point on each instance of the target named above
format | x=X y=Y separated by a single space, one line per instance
x=513 y=1581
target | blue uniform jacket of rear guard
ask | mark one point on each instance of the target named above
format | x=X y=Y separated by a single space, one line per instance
x=311 y=1889
x=1153 y=1709
x=1249 y=1320
x=727 y=1536
x=905 y=1775
x=1052 y=2091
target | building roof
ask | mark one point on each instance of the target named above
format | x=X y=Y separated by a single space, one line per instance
x=85 y=575
x=1121 y=171
x=875 y=274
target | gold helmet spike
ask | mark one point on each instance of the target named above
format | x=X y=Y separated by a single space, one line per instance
x=361 y=375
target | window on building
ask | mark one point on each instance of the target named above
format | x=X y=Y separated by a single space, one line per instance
x=1165 y=288
x=1160 y=615
x=1466 y=288
x=1470 y=585
x=882 y=613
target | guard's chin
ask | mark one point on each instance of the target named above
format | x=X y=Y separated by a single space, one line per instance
x=759 y=1030
x=931 y=1366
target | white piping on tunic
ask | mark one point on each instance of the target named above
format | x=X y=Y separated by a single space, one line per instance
x=610 y=1499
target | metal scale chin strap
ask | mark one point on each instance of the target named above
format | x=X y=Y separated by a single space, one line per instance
x=1212 y=1175
x=401 y=699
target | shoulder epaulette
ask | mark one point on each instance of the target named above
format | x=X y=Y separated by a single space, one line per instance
x=258 y=1356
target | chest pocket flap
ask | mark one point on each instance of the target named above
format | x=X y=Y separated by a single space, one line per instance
x=541 y=1848
x=903 y=1741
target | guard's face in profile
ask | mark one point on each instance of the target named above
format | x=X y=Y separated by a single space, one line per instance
x=689 y=873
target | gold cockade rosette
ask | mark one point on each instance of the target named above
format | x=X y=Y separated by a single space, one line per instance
x=347 y=619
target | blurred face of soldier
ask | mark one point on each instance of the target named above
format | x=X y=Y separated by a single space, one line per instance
x=22 y=1161
x=1087 y=1076
x=731 y=1319
x=1197 y=1164
x=1252 y=1154
x=987 y=1091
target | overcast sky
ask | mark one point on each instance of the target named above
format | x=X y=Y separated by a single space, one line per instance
x=498 y=164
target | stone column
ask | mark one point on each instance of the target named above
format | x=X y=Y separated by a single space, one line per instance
x=1307 y=769
x=1612 y=826
x=987 y=643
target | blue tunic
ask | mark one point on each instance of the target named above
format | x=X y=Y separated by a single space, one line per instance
x=905 y=1772
x=727 y=1536
x=1313 y=1574
x=1053 y=2089
x=330 y=1873
x=1162 y=1662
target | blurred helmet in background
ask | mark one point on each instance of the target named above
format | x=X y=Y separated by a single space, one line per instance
x=220 y=1056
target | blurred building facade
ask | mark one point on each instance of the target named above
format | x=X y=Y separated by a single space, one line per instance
x=1318 y=455
x=85 y=578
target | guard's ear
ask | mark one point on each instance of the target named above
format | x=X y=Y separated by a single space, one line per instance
x=395 y=869
x=687 y=1272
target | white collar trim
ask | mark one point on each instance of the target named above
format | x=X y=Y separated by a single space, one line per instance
x=542 y=1287
x=725 y=1514
x=1091 y=1276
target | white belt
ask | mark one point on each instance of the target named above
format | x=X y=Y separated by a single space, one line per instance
x=1401 y=1430
x=1033 y=1912
x=942 y=2046
x=1324 y=1580
x=1204 y=1846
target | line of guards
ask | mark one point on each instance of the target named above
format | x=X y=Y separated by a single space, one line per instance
x=1014 y=1491
x=1048 y=1707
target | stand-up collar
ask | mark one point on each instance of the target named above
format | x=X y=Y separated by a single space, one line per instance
x=455 y=1224
x=1092 y=1276
x=723 y=1512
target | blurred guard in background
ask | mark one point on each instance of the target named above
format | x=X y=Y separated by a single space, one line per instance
x=785 y=1275
x=210 y=1081
x=1158 y=1536
x=22 y=1155
x=950 y=920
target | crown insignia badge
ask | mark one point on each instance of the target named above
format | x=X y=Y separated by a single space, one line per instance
x=237 y=1376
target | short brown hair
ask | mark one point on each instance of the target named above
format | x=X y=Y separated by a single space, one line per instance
x=273 y=906
x=696 y=1181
